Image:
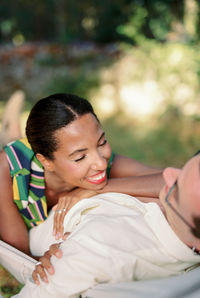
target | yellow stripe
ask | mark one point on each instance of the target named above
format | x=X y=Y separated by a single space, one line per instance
x=39 y=222
x=15 y=189
x=25 y=142
x=44 y=206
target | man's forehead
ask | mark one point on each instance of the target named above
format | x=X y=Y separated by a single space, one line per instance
x=193 y=165
x=190 y=181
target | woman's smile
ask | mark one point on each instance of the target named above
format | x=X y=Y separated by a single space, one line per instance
x=97 y=178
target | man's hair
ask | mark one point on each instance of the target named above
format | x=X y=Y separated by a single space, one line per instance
x=50 y=114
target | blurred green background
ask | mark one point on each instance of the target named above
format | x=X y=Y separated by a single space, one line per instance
x=138 y=62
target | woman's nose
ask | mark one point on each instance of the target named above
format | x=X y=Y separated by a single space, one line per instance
x=99 y=162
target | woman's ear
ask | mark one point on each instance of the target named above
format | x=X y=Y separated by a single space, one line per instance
x=170 y=175
x=46 y=163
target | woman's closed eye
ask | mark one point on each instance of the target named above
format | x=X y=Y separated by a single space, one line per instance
x=80 y=158
x=103 y=142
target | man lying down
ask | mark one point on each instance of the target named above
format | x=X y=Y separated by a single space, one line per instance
x=115 y=237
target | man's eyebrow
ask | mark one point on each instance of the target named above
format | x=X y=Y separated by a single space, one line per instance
x=84 y=149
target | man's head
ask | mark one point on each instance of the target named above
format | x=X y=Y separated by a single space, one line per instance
x=180 y=198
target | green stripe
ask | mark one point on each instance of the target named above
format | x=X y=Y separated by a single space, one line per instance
x=34 y=211
x=109 y=164
x=13 y=161
x=19 y=204
x=26 y=151
x=23 y=192
x=36 y=181
x=33 y=196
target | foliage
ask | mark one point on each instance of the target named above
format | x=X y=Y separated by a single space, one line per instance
x=168 y=142
x=9 y=286
x=100 y=21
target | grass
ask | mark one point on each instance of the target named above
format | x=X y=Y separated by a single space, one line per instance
x=8 y=284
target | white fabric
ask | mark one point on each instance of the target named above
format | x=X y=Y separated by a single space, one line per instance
x=182 y=286
x=16 y=262
x=114 y=238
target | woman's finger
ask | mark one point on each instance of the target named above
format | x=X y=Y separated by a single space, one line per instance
x=55 y=250
x=59 y=216
x=60 y=223
x=35 y=277
x=69 y=203
x=39 y=271
x=66 y=235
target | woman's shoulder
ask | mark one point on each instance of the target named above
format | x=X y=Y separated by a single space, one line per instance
x=20 y=145
x=3 y=160
x=5 y=178
x=19 y=154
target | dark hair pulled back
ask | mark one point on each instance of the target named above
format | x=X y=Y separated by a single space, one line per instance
x=50 y=114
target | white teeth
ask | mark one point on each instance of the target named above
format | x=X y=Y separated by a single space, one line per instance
x=98 y=177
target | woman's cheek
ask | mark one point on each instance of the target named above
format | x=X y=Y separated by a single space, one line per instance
x=74 y=170
x=108 y=151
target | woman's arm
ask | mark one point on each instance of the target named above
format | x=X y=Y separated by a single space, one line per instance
x=123 y=166
x=134 y=178
x=138 y=186
x=12 y=227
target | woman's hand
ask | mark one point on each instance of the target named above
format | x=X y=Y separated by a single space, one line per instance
x=65 y=202
x=44 y=263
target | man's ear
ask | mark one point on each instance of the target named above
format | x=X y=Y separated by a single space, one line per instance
x=46 y=163
x=170 y=175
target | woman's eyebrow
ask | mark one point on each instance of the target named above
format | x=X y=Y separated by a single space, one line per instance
x=77 y=151
x=84 y=149
x=102 y=135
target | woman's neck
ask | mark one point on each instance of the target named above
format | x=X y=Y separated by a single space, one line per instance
x=56 y=185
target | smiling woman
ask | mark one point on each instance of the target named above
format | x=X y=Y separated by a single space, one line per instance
x=82 y=156
x=65 y=158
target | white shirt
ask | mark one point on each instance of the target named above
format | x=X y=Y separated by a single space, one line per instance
x=114 y=237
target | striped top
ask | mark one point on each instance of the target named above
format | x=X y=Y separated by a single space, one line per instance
x=28 y=181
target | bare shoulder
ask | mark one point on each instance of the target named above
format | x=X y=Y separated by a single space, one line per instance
x=3 y=159
x=6 y=194
x=4 y=166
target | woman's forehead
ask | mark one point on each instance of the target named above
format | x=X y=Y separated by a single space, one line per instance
x=83 y=124
x=80 y=131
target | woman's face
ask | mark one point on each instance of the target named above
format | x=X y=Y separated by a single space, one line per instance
x=82 y=155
